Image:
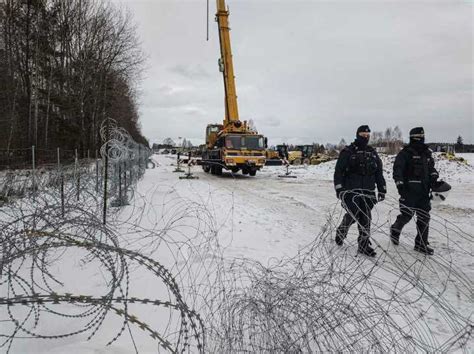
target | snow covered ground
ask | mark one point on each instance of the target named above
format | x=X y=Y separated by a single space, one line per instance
x=264 y=226
x=468 y=156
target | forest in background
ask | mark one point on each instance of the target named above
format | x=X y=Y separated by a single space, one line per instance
x=65 y=66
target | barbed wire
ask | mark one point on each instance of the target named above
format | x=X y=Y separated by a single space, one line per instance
x=324 y=298
x=329 y=298
x=36 y=244
x=41 y=231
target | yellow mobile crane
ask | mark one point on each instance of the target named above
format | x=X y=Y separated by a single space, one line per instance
x=232 y=145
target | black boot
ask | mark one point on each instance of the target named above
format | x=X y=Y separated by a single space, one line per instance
x=424 y=248
x=394 y=236
x=395 y=231
x=343 y=229
x=402 y=219
x=365 y=248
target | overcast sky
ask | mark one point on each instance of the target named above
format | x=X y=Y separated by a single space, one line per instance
x=310 y=71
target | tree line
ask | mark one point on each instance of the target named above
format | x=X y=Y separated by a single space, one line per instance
x=389 y=141
x=65 y=66
x=451 y=147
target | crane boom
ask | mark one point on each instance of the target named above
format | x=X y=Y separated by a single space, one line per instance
x=233 y=145
x=226 y=64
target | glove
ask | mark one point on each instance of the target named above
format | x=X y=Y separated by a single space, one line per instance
x=434 y=177
x=381 y=197
x=401 y=188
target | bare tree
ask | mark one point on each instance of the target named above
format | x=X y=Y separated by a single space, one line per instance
x=397 y=134
x=65 y=66
x=169 y=141
x=376 y=138
x=342 y=144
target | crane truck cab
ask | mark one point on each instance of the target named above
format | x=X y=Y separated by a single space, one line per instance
x=233 y=150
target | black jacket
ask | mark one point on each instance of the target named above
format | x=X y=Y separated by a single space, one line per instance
x=359 y=169
x=414 y=170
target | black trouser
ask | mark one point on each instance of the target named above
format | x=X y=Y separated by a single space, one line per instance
x=358 y=208
x=408 y=208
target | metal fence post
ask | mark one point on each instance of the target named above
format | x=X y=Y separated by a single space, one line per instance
x=96 y=172
x=106 y=167
x=34 y=170
x=59 y=160
x=120 y=182
x=61 y=181
x=78 y=175
x=139 y=157
x=125 y=174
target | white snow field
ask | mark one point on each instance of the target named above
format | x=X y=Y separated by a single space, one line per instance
x=255 y=257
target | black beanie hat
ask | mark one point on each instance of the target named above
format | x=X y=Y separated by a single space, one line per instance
x=417 y=134
x=363 y=128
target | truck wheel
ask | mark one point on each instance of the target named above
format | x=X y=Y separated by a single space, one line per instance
x=245 y=171
x=218 y=170
x=252 y=172
x=296 y=162
x=206 y=168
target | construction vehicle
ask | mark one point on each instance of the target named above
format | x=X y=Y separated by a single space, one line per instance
x=272 y=157
x=310 y=155
x=272 y=154
x=320 y=158
x=232 y=145
x=294 y=157
x=307 y=152
x=301 y=154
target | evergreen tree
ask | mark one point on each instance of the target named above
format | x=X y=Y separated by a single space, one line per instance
x=460 y=144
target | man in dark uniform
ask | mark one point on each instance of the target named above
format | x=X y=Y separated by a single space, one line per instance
x=358 y=170
x=283 y=153
x=414 y=174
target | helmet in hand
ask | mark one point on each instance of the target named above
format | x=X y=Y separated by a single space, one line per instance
x=440 y=190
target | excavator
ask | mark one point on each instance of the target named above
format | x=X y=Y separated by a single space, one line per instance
x=306 y=154
x=233 y=145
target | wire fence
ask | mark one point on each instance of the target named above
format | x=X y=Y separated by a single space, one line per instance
x=110 y=172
